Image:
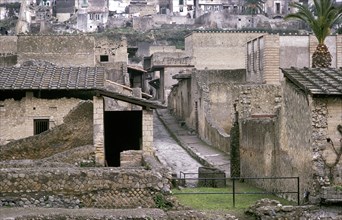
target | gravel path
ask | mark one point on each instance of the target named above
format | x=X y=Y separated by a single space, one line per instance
x=170 y=153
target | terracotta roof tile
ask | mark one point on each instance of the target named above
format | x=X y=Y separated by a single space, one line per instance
x=45 y=77
x=317 y=81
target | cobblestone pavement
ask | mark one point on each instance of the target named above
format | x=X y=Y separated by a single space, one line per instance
x=170 y=153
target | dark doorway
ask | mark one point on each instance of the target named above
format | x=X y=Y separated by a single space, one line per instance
x=123 y=131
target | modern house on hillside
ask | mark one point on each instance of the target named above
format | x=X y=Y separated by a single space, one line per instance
x=63 y=10
x=92 y=15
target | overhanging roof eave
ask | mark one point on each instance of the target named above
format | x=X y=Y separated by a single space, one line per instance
x=130 y=99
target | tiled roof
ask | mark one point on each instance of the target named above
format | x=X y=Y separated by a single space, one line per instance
x=50 y=77
x=64 y=78
x=317 y=81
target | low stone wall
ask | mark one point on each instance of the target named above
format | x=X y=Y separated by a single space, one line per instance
x=332 y=194
x=109 y=214
x=216 y=135
x=73 y=187
x=271 y=209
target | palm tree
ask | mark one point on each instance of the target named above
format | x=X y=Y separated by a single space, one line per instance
x=320 y=17
x=254 y=7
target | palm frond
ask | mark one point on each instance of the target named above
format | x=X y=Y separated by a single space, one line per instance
x=320 y=17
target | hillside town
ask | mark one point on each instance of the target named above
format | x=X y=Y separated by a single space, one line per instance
x=104 y=104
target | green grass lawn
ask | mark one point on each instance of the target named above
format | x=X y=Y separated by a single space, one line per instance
x=223 y=202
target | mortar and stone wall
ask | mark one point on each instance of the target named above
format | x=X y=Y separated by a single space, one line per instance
x=72 y=187
x=8 y=44
x=116 y=52
x=205 y=47
x=75 y=131
x=327 y=171
x=17 y=117
x=142 y=10
x=275 y=129
x=73 y=50
x=85 y=187
x=284 y=133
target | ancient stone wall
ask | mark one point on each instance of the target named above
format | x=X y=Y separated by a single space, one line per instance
x=274 y=139
x=74 y=130
x=143 y=23
x=17 y=117
x=142 y=10
x=8 y=60
x=8 y=44
x=273 y=209
x=172 y=58
x=206 y=46
x=81 y=187
x=326 y=141
x=181 y=103
x=111 y=53
x=73 y=50
x=285 y=132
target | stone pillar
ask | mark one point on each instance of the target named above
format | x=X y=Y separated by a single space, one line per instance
x=147 y=131
x=136 y=93
x=162 y=86
x=99 y=129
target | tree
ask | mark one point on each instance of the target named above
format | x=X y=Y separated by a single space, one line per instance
x=254 y=6
x=320 y=17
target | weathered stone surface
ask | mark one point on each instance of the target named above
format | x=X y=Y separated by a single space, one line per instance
x=211 y=177
x=75 y=187
x=272 y=209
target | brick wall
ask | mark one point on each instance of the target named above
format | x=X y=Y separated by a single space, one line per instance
x=98 y=103
x=147 y=131
x=271 y=70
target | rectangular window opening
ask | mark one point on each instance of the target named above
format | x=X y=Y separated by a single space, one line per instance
x=104 y=58
x=40 y=125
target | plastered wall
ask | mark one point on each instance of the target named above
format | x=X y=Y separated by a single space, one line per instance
x=17 y=116
x=218 y=49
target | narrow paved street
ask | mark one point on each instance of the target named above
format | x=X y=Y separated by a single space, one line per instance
x=170 y=153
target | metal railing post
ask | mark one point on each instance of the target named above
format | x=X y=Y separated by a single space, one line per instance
x=298 y=193
x=233 y=192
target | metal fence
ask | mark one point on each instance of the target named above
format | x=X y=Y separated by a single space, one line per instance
x=183 y=178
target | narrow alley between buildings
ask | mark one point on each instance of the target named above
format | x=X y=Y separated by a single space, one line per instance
x=170 y=153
